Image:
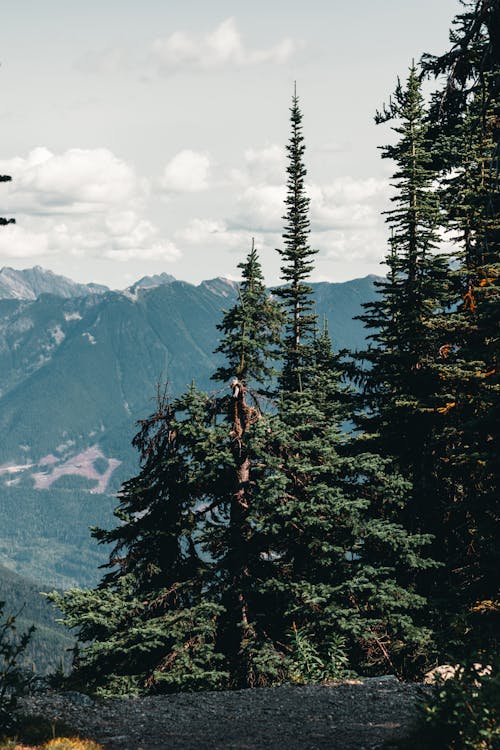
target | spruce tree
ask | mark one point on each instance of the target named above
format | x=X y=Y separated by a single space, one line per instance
x=400 y=386
x=176 y=611
x=297 y=258
x=466 y=117
x=402 y=391
x=148 y=626
x=339 y=558
x=251 y=331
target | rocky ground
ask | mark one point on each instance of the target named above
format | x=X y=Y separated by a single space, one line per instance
x=344 y=716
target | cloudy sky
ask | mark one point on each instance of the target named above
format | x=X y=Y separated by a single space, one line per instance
x=145 y=135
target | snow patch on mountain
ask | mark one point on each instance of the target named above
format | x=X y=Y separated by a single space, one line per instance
x=57 y=334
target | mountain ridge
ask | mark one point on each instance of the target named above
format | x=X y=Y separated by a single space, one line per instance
x=76 y=374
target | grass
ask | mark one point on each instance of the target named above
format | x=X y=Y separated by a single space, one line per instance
x=39 y=733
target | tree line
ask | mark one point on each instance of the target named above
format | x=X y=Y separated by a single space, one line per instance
x=260 y=541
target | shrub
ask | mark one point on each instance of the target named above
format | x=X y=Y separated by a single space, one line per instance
x=461 y=714
x=308 y=664
x=12 y=680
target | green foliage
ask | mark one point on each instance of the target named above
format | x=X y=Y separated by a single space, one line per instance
x=251 y=329
x=297 y=257
x=243 y=527
x=465 y=115
x=309 y=664
x=463 y=713
x=12 y=679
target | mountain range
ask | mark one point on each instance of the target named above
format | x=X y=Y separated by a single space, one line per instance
x=79 y=365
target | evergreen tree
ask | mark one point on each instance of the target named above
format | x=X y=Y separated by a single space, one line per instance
x=466 y=114
x=403 y=395
x=340 y=561
x=250 y=330
x=176 y=609
x=149 y=626
x=296 y=256
x=12 y=680
x=400 y=386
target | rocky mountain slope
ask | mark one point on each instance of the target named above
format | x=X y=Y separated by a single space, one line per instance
x=31 y=282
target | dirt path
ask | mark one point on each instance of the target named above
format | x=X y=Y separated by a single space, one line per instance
x=345 y=716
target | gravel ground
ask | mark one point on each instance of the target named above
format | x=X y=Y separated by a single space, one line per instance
x=345 y=716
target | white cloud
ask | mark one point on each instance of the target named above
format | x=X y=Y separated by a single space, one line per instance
x=339 y=246
x=83 y=202
x=17 y=242
x=221 y=47
x=77 y=181
x=264 y=165
x=346 y=222
x=166 y=251
x=261 y=207
x=187 y=172
x=208 y=234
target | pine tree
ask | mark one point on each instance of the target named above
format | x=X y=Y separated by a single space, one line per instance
x=13 y=681
x=338 y=556
x=400 y=386
x=403 y=395
x=176 y=609
x=296 y=256
x=340 y=561
x=250 y=330
x=149 y=626
x=466 y=114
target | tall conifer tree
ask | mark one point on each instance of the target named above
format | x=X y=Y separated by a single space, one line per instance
x=401 y=388
x=177 y=609
x=297 y=258
x=466 y=115
x=339 y=558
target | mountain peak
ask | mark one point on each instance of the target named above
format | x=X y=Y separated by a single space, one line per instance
x=148 y=282
x=30 y=283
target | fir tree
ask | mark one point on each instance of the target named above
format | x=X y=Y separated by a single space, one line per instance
x=466 y=122
x=401 y=388
x=402 y=391
x=339 y=559
x=250 y=330
x=296 y=256
x=149 y=626
x=176 y=609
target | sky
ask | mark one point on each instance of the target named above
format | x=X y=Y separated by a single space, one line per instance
x=146 y=136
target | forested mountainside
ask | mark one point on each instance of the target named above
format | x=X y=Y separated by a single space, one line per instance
x=76 y=373
x=51 y=640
